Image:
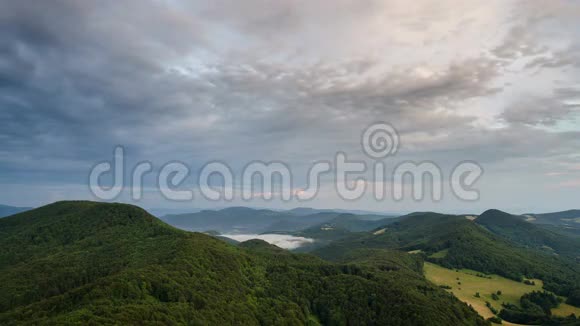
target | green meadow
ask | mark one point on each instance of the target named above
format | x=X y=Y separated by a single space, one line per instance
x=466 y=283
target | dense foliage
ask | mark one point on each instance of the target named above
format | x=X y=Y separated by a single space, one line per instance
x=574 y=297
x=461 y=243
x=94 y=263
x=529 y=235
x=535 y=309
x=570 y=231
x=544 y=300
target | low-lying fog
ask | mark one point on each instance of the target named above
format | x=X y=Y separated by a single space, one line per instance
x=285 y=241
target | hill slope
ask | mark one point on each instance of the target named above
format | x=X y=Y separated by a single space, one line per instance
x=342 y=226
x=81 y=262
x=456 y=242
x=570 y=217
x=515 y=229
x=354 y=223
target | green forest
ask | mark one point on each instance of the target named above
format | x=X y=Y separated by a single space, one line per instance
x=465 y=244
x=81 y=262
x=95 y=263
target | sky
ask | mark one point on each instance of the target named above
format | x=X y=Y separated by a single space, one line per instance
x=494 y=82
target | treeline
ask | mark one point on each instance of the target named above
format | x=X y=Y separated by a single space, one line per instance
x=535 y=309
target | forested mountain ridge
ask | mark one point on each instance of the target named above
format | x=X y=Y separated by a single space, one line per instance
x=529 y=235
x=354 y=223
x=457 y=242
x=85 y=262
x=246 y=220
x=568 y=217
x=250 y=220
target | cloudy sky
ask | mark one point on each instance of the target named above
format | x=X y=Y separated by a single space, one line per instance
x=496 y=82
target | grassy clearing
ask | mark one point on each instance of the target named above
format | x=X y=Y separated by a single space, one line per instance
x=566 y=310
x=471 y=284
x=440 y=254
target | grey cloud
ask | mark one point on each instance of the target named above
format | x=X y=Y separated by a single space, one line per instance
x=519 y=42
x=239 y=81
x=540 y=111
x=544 y=31
x=102 y=84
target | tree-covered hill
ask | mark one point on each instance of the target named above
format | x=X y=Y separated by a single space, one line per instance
x=567 y=231
x=457 y=242
x=353 y=223
x=529 y=235
x=96 y=263
x=570 y=217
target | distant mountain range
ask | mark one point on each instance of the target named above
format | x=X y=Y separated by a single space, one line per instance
x=310 y=211
x=569 y=218
x=159 y=212
x=249 y=220
x=11 y=210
